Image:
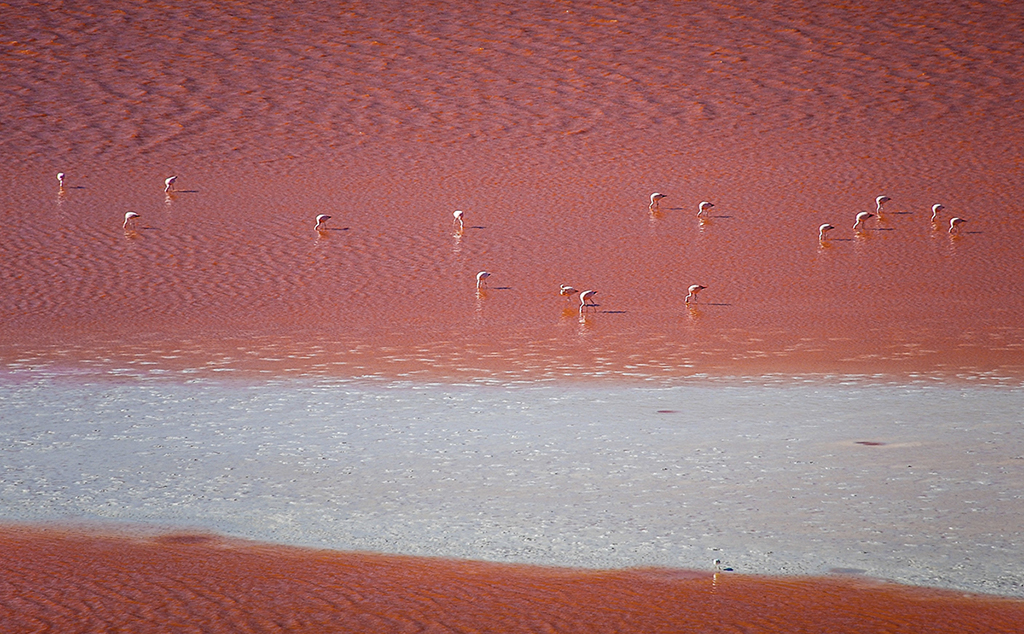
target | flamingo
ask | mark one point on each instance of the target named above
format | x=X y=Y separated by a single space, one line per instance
x=823 y=229
x=321 y=222
x=457 y=217
x=585 y=298
x=169 y=184
x=702 y=209
x=480 y=277
x=936 y=208
x=60 y=179
x=861 y=217
x=129 y=220
x=566 y=291
x=954 y=225
x=692 y=293
x=881 y=200
x=655 y=198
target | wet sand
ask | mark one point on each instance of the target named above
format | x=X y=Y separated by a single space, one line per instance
x=190 y=581
x=550 y=125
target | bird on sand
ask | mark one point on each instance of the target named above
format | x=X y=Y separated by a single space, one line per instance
x=457 y=217
x=936 y=208
x=861 y=217
x=702 y=209
x=655 y=198
x=169 y=184
x=692 y=293
x=480 y=277
x=321 y=222
x=881 y=200
x=585 y=298
x=129 y=220
x=823 y=229
x=566 y=291
x=60 y=179
x=954 y=225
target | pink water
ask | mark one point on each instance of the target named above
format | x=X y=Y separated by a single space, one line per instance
x=550 y=125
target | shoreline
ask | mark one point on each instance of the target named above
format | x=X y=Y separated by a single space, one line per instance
x=227 y=363
x=168 y=534
x=148 y=583
x=189 y=361
x=231 y=276
x=910 y=483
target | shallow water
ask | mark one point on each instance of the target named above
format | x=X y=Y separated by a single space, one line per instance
x=550 y=126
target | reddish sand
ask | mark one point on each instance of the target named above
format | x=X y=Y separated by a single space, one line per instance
x=70 y=582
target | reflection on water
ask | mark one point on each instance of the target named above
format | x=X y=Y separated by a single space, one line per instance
x=203 y=272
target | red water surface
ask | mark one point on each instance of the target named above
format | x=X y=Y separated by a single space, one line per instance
x=71 y=582
x=550 y=125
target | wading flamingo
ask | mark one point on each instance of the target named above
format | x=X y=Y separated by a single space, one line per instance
x=480 y=277
x=585 y=298
x=881 y=200
x=692 y=293
x=129 y=220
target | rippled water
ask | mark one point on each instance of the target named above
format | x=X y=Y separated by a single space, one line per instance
x=550 y=126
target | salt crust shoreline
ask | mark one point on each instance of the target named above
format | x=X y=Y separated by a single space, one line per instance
x=917 y=484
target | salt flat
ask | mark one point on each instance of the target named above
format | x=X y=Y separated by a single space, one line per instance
x=918 y=483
